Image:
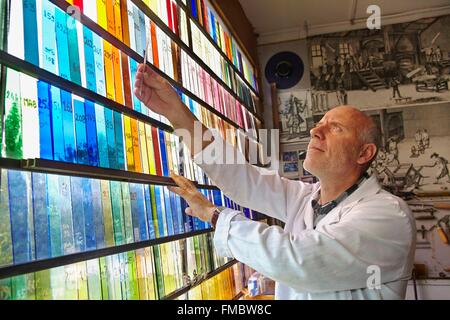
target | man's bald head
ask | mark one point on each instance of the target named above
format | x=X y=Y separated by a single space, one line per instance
x=365 y=126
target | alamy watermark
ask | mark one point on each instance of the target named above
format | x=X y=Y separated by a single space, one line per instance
x=75 y=15
x=374 y=20
x=374 y=280
x=221 y=152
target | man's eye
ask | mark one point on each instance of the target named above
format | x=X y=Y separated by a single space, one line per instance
x=336 y=128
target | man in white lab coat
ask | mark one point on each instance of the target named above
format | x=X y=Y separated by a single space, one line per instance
x=344 y=237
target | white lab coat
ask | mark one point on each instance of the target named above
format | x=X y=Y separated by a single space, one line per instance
x=370 y=227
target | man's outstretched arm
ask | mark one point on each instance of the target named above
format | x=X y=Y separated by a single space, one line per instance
x=243 y=183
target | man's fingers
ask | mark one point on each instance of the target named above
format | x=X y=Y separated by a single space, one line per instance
x=149 y=77
x=144 y=95
x=180 y=191
x=181 y=181
x=186 y=182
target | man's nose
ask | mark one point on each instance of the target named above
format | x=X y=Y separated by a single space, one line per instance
x=317 y=132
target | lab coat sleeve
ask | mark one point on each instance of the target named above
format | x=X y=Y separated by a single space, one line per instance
x=334 y=258
x=252 y=187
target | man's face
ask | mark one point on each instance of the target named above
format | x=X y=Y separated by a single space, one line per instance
x=334 y=146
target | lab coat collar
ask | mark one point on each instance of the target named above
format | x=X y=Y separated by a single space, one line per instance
x=367 y=188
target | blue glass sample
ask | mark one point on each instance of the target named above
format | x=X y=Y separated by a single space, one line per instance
x=118 y=130
x=74 y=55
x=227 y=201
x=213 y=27
x=88 y=209
x=49 y=40
x=179 y=214
x=162 y=147
x=62 y=44
x=160 y=212
x=209 y=14
x=20 y=228
x=194 y=9
x=91 y=133
x=30 y=31
x=80 y=130
x=169 y=216
x=143 y=230
x=54 y=215
x=111 y=145
x=133 y=69
x=217 y=197
x=76 y=186
x=41 y=221
x=96 y=199
x=45 y=127
x=69 y=127
x=68 y=240
x=89 y=58
x=246 y=212
x=101 y=136
x=174 y=213
x=188 y=222
x=57 y=124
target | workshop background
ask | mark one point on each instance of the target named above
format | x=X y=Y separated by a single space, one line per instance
x=398 y=73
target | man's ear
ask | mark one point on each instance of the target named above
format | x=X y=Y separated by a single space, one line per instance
x=367 y=152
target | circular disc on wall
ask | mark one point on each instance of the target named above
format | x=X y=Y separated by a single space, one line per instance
x=285 y=69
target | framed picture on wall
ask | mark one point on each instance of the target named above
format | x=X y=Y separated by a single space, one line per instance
x=295 y=115
x=290 y=167
x=290 y=156
x=383 y=68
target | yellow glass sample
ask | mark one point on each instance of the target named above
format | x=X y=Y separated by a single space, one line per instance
x=118 y=82
x=153 y=4
x=141 y=271
x=82 y=283
x=109 y=69
x=136 y=150
x=129 y=143
x=101 y=14
x=43 y=285
x=150 y=152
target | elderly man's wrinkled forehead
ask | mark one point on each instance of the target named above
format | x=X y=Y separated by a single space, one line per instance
x=348 y=116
